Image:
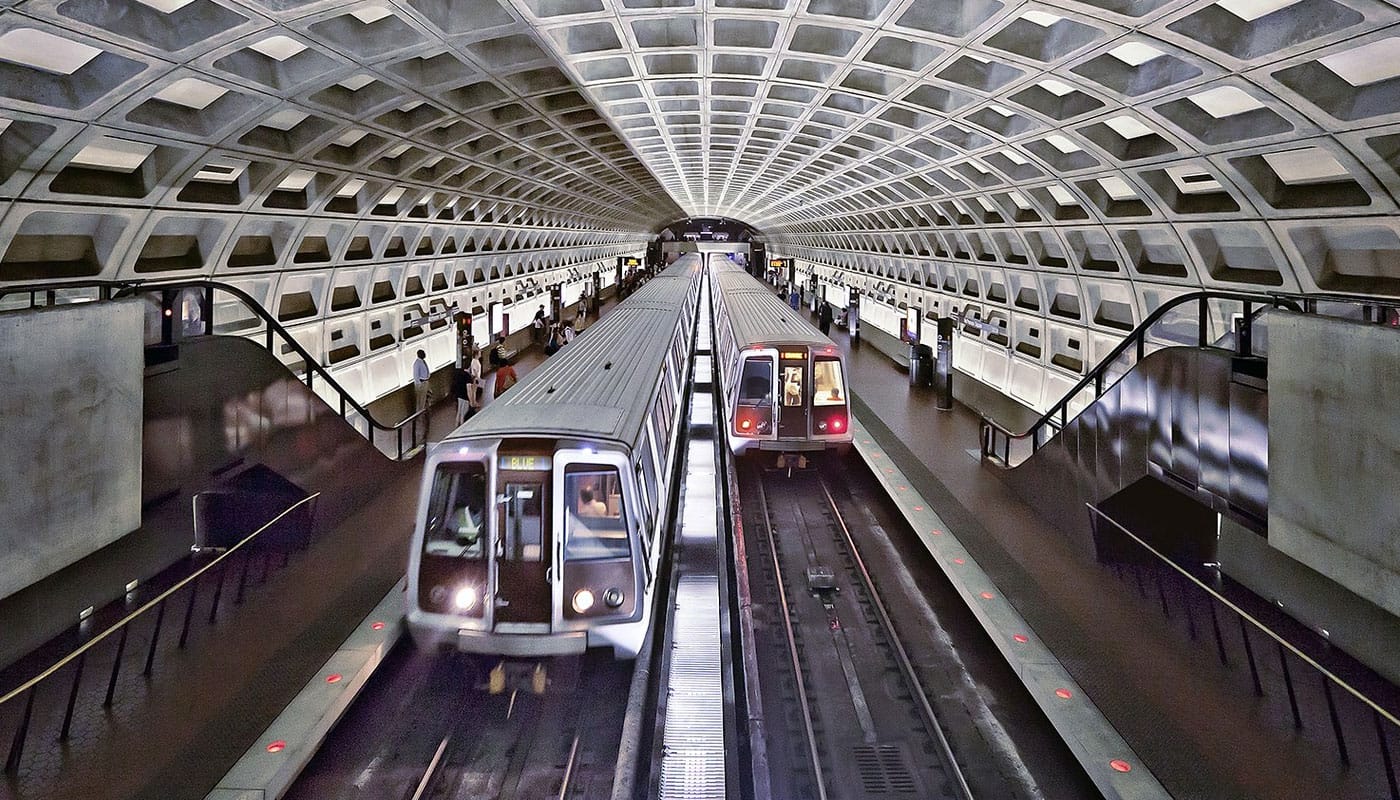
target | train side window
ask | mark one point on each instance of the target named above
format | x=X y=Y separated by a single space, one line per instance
x=457 y=512
x=756 y=382
x=595 y=525
x=829 y=384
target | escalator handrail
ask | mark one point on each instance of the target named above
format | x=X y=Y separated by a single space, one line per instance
x=117 y=289
x=1136 y=336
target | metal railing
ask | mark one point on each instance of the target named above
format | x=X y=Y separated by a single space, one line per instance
x=1165 y=572
x=1159 y=329
x=79 y=657
x=272 y=328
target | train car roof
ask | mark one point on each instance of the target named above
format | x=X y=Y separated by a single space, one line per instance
x=757 y=316
x=599 y=386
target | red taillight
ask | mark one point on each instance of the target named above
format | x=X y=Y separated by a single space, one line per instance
x=838 y=424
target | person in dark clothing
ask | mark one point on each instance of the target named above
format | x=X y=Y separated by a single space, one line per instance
x=824 y=317
x=498 y=352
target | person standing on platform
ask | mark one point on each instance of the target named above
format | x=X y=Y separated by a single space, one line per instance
x=505 y=378
x=475 y=389
x=537 y=327
x=421 y=374
x=794 y=300
x=824 y=318
x=569 y=333
x=461 y=389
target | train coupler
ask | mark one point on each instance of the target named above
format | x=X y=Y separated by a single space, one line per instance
x=792 y=461
x=530 y=676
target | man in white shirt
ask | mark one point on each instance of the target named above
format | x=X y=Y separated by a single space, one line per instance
x=421 y=373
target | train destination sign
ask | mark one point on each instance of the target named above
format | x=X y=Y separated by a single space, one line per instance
x=525 y=463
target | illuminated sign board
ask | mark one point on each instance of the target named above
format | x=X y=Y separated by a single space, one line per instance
x=525 y=463
x=779 y=263
x=629 y=261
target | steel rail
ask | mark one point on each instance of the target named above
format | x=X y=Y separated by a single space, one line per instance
x=906 y=666
x=796 y=659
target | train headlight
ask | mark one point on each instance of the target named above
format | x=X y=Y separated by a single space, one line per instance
x=466 y=598
x=745 y=424
x=613 y=597
x=583 y=600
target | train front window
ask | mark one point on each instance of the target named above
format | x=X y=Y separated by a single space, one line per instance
x=456 y=526
x=828 y=383
x=756 y=382
x=792 y=385
x=595 y=523
x=523 y=539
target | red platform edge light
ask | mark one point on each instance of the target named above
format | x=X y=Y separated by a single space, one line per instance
x=378 y=626
x=918 y=508
x=937 y=533
x=1063 y=694
x=334 y=677
x=1120 y=765
x=987 y=595
x=959 y=561
x=277 y=746
x=1020 y=638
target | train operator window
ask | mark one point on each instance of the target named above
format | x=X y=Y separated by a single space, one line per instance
x=756 y=382
x=595 y=523
x=826 y=378
x=456 y=511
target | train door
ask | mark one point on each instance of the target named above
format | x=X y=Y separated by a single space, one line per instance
x=524 y=543
x=793 y=406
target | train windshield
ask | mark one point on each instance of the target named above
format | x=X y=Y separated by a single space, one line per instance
x=756 y=382
x=457 y=512
x=595 y=524
x=830 y=388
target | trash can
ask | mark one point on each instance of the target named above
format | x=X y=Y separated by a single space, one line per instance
x=920 y=365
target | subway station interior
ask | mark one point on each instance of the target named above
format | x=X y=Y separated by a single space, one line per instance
x=1069 y=471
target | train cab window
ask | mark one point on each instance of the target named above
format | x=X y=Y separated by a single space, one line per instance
x=523 y=538
x=828 y=383
x=456 y=512
x=595 y=522
x=792 y=385
x=756 y=382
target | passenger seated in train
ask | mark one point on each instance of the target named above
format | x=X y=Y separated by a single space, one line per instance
x=589 y=506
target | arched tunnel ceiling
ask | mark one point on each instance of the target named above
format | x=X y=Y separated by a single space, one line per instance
x=1235 y=141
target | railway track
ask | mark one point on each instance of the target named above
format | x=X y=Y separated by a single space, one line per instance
x=859 y=723
x=449 y=738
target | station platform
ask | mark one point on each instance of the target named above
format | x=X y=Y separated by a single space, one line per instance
x=175 y=734
x=1196 y=724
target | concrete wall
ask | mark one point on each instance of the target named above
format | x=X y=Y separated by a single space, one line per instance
x=1334 y=451
x=70 y=435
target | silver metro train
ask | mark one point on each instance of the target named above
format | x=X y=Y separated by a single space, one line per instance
x=784 y=382
x=540 y=520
